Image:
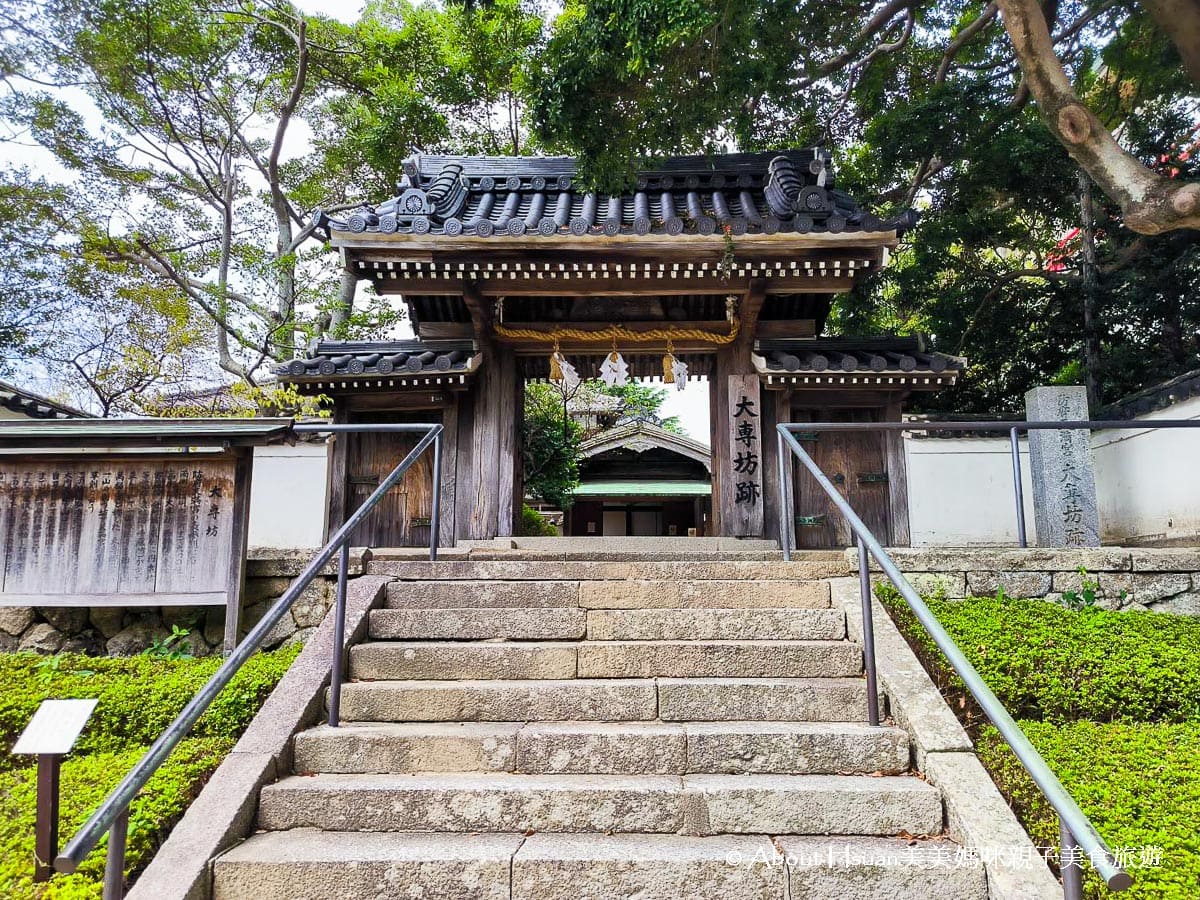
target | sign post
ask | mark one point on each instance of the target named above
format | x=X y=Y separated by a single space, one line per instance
x=50 y=735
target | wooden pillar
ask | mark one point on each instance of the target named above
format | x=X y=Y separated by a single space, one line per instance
x=771 y=405
x=448 y=533
x=733 y=368
x=893 y=450
x=489 y=502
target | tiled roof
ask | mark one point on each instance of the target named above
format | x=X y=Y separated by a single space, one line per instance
x=1159 y=396
x=746 y=193
x=36 y=406
x=863 y=362
x=341 y=359
x=855 y=355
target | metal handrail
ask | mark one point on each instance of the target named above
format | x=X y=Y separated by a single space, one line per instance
x=1076 y=830
x=113 y=813
x=1013 y=429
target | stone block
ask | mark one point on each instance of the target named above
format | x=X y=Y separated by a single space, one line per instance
x=15 y=619
x=892 y=868
x=132 y=639
x=794 y=748
x=646 y=867
x=979 y=817
x=1008 y=559
x=42 y=638
x=718 y=659
x=534 y=624
x=87 y=642
x=1166 y=559
x=1064 y=482
x=107 y=620
x=762 y=699
x=299 y=865
x=500 y=701
x=67 y=619
x=811 y=804
x=950 y=585
x=405 y=747
x=1187 y=604
x=452 y=660
x=9 y=642
x=475 y=802
x=633 y=748
x=482 y=594
x=1022 y=585
x=703 y=593
x=715 y=624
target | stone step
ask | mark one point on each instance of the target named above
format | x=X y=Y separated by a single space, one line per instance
x=500 y=701
x=549 y=623
x=450 y=660
x=316 y=865
x=718 y=659
x=693 y=804
x=510 y=569
x=623 y=748
x=715 y=624
x=470 y=594
x=710 y=593
x=470 y=660
x=608 y=700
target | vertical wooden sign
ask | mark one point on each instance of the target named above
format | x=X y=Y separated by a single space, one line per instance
x=742 y=474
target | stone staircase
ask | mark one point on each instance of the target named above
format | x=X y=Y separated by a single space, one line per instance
x=539 y=726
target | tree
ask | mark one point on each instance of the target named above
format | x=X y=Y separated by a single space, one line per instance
x=186 y=176
x=550 y=445
x=926 y=106
x=613 y=63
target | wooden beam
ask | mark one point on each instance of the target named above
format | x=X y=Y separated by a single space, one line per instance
x=781 y=329
x=540 y=284
x=445 y=331
x=238 y=541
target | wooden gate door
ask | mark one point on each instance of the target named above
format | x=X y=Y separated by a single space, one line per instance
x=855 y=461
x=402 y=518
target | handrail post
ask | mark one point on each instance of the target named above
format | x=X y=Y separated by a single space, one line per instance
x=1018 y=490
x=868 y=631
x=339 y=637
x=785 y=504
x=435 y=520
x=114 y=863
x=1069 y=863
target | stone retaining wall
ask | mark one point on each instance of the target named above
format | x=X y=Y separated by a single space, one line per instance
x=1161 y=580
x=124 y=631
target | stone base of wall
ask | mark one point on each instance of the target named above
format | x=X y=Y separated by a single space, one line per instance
x=125 y=631
x=1135 y=578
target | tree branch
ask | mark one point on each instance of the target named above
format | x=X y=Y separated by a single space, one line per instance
x=1149 y=203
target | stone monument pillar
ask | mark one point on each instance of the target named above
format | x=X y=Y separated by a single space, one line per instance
x=1064 y=483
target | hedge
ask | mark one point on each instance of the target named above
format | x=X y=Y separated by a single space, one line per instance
x=138 y=697
x=85 y=782
x=1049 y=663
x=1110 y=699
x=1139 y=784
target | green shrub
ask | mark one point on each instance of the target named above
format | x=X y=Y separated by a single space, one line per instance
x=1047 y=662
x=534 y=524
x=85 y=782
x=139 y=695
x=1138 y=783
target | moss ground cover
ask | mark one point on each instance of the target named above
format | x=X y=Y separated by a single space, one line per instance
x=1111 y=700
x=138 y=697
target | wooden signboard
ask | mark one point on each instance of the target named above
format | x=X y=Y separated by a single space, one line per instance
x=130 y=530
x=741 y=493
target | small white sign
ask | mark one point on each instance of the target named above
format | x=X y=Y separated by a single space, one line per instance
x=55 y=727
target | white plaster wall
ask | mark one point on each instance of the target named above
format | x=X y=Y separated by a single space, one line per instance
x=1148 y=482
x=289 y=496
x=960 y=491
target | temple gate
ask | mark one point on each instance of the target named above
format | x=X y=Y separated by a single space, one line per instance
x=722 y=268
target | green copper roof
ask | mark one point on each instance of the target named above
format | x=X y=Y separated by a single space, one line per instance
x=643 y=489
